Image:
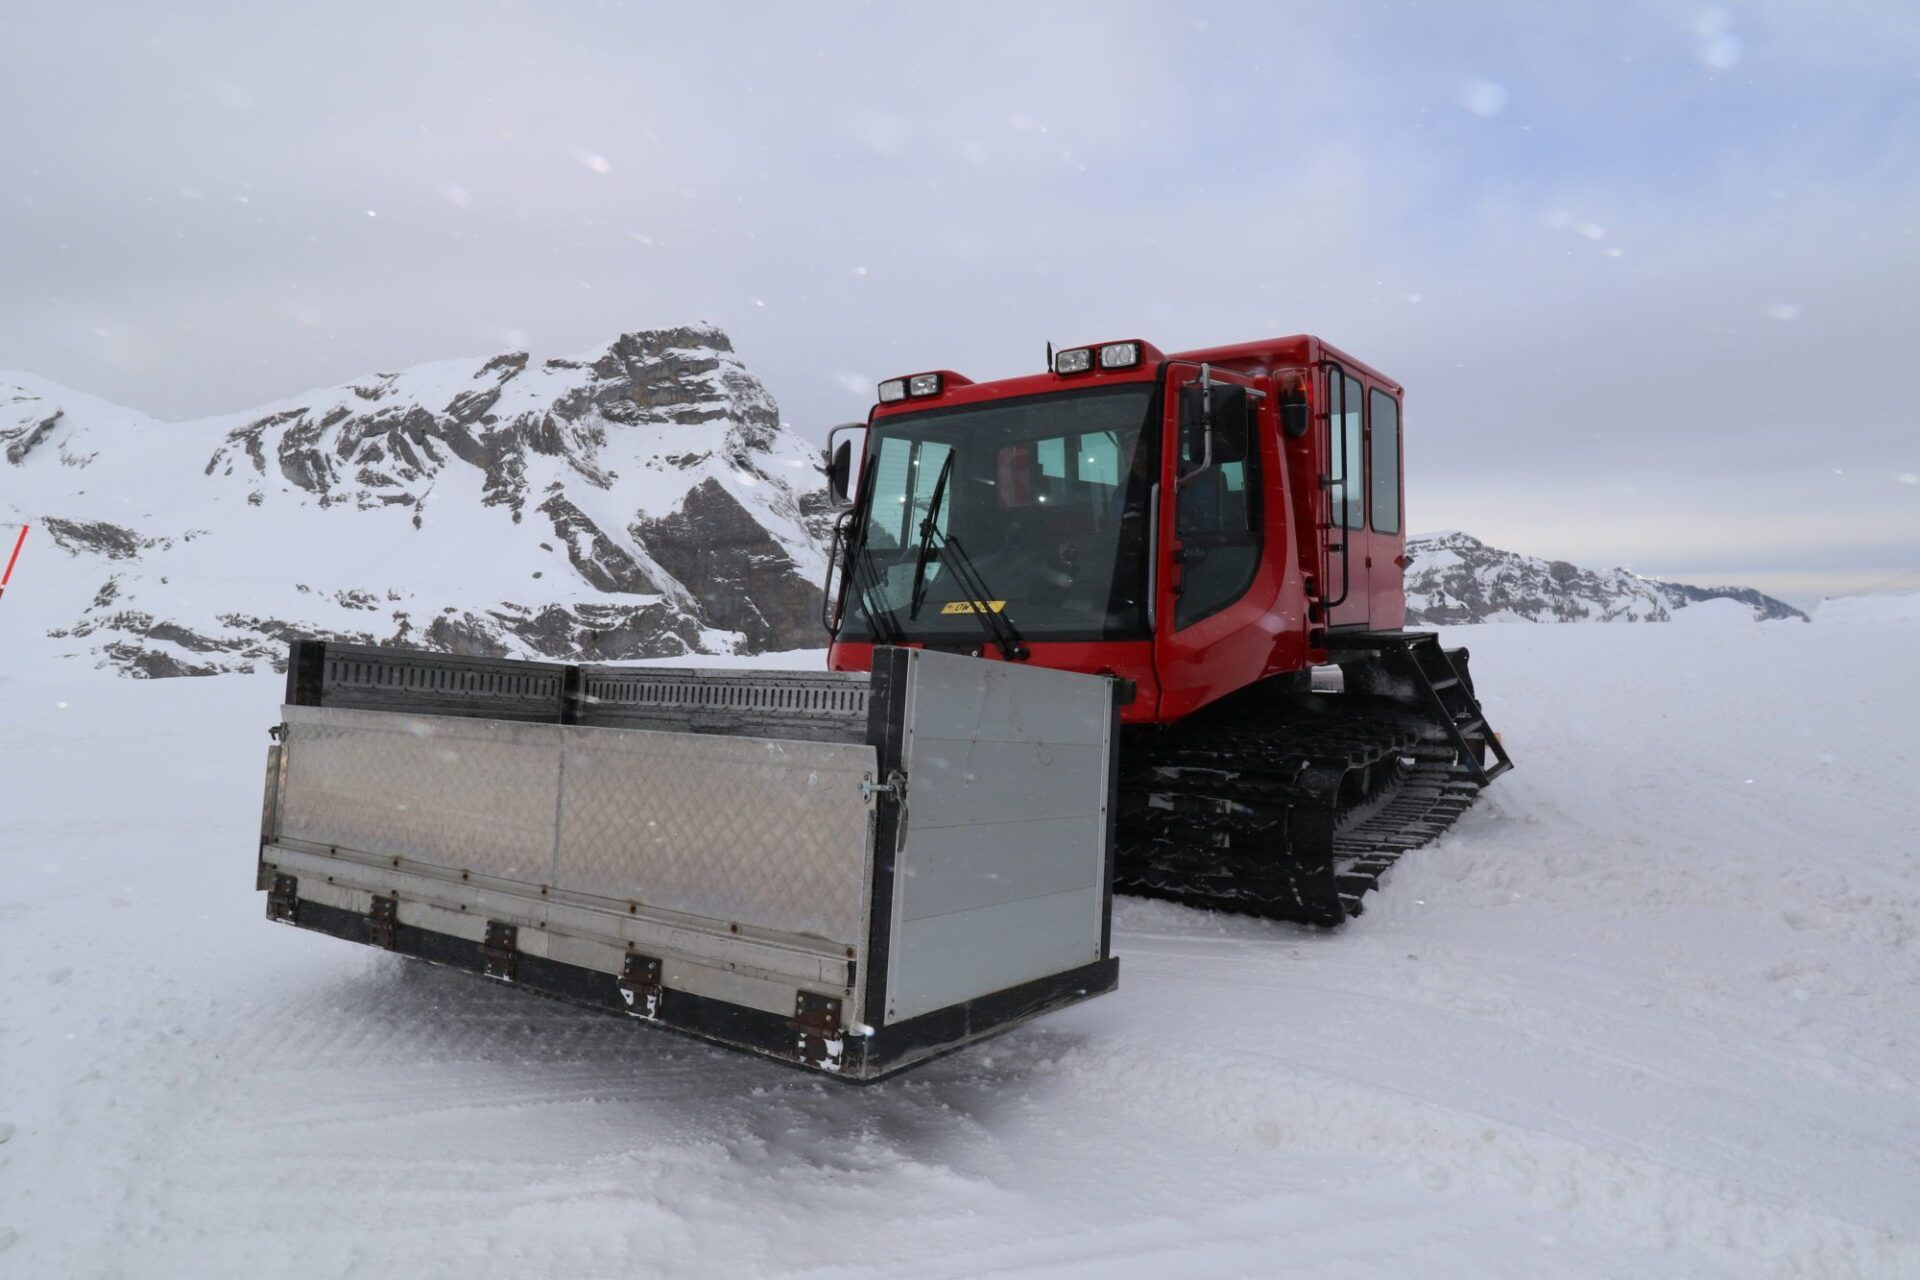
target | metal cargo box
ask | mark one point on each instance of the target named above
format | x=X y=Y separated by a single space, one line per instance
x=851 y=873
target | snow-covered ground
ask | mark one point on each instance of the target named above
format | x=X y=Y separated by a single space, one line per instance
x=1650 y=1010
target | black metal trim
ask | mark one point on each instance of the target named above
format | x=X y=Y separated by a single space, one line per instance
x=863 y=1059
x=930 y=1035
x=306 y=672
x=1113 y=819
x=887 y=734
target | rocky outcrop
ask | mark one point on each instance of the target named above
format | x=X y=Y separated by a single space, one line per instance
x=1455 y=578
x=641 y=500
x=723 y=555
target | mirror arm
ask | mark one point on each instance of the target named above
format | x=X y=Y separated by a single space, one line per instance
x=1206 y=428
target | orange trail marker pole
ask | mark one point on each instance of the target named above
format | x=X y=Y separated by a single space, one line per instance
x=13 y=559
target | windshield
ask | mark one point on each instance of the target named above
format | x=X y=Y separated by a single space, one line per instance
x=1047 y=496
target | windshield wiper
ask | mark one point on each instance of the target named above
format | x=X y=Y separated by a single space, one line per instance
x=999 y=627
x=918 y=596
x=865 y=571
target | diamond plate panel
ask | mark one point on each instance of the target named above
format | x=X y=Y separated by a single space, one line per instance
x=763 y=831
x=477 y=795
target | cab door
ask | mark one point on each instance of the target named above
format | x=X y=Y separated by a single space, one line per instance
x=1212 y=603
x=1386 y=523
x=1348 y=547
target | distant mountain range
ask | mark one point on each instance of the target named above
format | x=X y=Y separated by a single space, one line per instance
x=1455 y=578
x=640 y=500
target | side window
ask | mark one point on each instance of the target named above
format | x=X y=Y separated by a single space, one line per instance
x=1384 y=464
x=1100 y=459
x=887 y=523
x=1354 y=432
x=1335 y=453
x=1218 y=520
x=907 y=469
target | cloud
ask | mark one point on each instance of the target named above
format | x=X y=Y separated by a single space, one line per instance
x=1626 y=258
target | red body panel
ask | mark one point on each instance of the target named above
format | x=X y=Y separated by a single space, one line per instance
x=1278 y=624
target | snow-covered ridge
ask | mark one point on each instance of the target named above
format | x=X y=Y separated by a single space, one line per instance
x=639 y=500
x=1456 y=578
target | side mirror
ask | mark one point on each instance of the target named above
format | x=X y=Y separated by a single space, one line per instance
x=1213 y=428
x=840 y=474
x=839 y=459
x=1295 y=421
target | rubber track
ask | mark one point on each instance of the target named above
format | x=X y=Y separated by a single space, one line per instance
x=1290 y=811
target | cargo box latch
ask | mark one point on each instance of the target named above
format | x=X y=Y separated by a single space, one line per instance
x=500 y=950
x=283 y=900
x=817 y=1019
x=894 y=788
x=640 y=985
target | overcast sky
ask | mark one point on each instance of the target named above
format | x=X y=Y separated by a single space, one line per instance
x=1647 y=270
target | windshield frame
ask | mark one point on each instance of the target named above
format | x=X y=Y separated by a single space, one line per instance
x=856 y=628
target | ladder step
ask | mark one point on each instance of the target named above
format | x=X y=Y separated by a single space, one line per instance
x=1448 y=683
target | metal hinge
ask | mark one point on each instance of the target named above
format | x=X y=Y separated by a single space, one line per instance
x=640 y=985
x=894 y=788
x=817 y=1020
x=283 y=900
x=382 y=921
x=500 y=949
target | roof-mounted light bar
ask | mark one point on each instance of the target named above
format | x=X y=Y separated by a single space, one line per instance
x=1110 y=355
x=919 y=386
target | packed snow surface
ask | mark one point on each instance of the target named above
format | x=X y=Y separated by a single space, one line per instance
x=1649 y=1010
x=1885 y=606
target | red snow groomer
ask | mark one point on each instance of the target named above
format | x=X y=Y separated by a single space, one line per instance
x=1085 y=630
x=1207 y=527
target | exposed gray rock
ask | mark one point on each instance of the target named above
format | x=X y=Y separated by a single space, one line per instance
x=115 y=542
x=726 y=557
x=1765 y=607
x=22 y=440
x=665 y=509
x=1454 y=578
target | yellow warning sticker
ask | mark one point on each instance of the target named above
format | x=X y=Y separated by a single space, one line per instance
x=967 y=606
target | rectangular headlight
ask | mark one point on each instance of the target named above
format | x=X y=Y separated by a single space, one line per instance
x=1120 y=355
x=1079 y=360
x=924 y=384
x=893 y=389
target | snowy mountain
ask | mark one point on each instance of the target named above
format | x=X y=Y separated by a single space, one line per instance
x=639 y=500
x=1455 y=578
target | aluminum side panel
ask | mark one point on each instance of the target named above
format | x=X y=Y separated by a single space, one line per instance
x=968 y=954
x=477 y=795
x=773 y=834
x=1002 y=864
